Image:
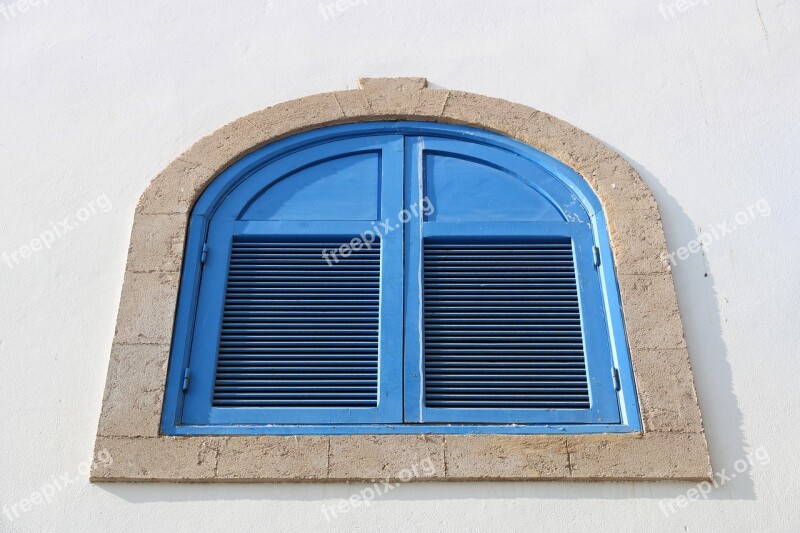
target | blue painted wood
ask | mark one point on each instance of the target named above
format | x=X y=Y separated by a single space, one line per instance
x=234 y=396
x=275 y=192
x=343 y=188
x=571 y=222
x=297 y=334
x=184 y=324
x=413 y=319
x=593 y=352
x=520 y=346
x=240 y=170
x=466 y=189
x=397 y=429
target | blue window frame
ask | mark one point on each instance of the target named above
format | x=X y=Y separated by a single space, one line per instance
x=398 y=277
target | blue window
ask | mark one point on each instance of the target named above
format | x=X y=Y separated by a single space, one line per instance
x=398 y=277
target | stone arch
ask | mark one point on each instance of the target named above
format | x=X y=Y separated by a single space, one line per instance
x=672 y=445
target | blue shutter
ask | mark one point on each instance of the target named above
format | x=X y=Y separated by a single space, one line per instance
x=506 y=322
x=286 y=332
x=502 y=325
x=297 y=332
x=489 y=313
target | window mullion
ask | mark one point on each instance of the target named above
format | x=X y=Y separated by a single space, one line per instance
x=414 y=193
x=390 y=232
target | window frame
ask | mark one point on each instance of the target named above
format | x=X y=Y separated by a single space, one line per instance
x=225 y=184
x=672 y=445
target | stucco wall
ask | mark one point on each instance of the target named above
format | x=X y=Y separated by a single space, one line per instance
x=99 y=97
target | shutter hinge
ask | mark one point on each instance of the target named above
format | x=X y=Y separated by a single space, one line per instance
x=615 y=375
x=596 y=252
x=204 y=254
x=186 y=375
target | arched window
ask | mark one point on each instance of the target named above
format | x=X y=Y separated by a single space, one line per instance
x=398 y=277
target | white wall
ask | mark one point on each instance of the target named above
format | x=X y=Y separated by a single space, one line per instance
x=100 y=96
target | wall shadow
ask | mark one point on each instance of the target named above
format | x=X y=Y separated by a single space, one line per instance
x=701 y=314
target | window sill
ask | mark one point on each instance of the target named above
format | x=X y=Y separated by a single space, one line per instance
x=305 y=458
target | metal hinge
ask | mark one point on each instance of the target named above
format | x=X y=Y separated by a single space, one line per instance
x=186 y=375
x=596 y=252
x=204 y=254
x=615 y=375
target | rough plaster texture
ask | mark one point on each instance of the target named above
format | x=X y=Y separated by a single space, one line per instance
x=672 y=446
x=100 y=96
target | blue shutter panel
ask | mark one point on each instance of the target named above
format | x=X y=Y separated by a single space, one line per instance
x=502 y=325
x=287 y=331
x=297 y=332
x=505 y=323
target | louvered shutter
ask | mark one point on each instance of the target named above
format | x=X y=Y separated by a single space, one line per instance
x=488 y=310
x=297 y=332
x=505 y=320
x=502 y=326
x=297 y=313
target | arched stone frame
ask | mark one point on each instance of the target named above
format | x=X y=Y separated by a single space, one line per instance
x=672 y=445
